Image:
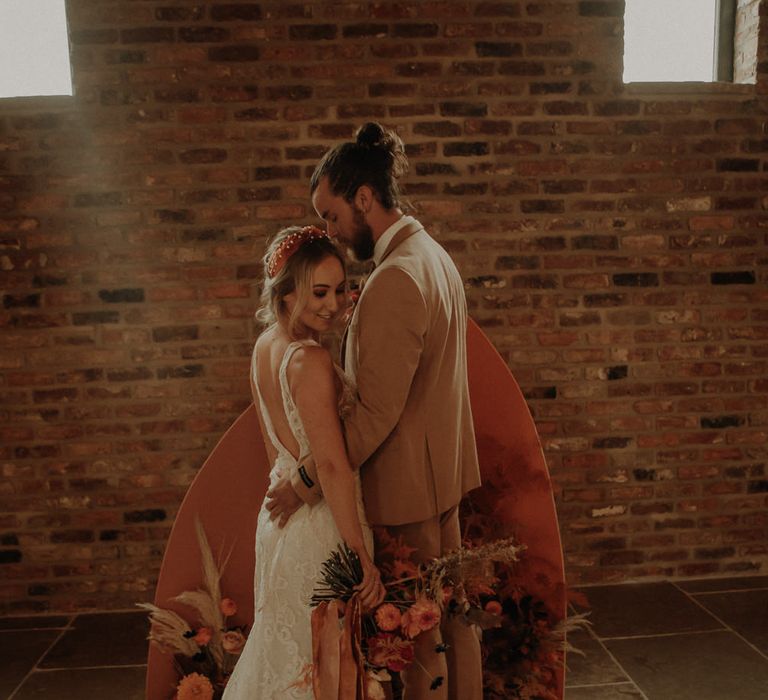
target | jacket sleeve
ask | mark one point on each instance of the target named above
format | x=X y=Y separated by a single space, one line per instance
x=392 y=323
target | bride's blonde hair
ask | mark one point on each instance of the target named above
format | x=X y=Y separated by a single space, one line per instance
x=294 y=275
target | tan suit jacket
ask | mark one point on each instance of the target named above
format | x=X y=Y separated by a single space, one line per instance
x=410 y=432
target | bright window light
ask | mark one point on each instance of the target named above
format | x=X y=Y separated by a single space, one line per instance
x=669 y=40
x=34 y=51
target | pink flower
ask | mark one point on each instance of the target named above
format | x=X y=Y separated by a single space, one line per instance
x=410 y=628
x=391 y=651
x=194 y=687
x=233 y=641
x=228 y=607
x=388 y=617
x=423 y=615
x=203 y=636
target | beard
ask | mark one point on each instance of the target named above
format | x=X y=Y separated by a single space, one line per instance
x=362 y=243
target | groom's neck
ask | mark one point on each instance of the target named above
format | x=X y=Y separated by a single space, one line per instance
x=380 y=219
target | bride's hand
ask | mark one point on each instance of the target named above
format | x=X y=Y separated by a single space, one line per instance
x=370 y=589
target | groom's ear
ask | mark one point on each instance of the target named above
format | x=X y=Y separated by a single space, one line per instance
x=364 y=198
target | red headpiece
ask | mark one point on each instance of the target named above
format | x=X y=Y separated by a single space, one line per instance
x=289 y=245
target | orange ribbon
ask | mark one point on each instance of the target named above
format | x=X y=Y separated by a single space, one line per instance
x=338 y=670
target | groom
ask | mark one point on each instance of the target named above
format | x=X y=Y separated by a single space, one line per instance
x=410 y=432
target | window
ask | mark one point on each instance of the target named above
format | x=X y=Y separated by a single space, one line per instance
x=680 y=40
x=34 y=51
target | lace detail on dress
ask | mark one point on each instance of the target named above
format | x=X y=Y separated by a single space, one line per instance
x=348 y=393
x=288 y=566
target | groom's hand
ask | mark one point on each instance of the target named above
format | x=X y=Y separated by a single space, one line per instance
x=282 y=501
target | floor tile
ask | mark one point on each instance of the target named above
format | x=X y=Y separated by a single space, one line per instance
x=707 y=666
x=34 y=622
x=704 y=585
x=91 y=684
x=19 y=652
x=665 y=647
x=101 y=639
x=595 y=666
x=620 y=691
x=744 y=611
x=644 y=608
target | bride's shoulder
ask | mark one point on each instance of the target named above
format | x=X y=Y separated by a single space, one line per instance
x=311 y=357
x=310 y=366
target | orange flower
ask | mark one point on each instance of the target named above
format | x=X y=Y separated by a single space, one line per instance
x=493 y=607
x=391 y=651
x=403 y=551
x=194 y=687
x=477 y=586
x=423 y=615
x=233 y=641
x=228 y=607
x=388 y=617
x=203 y=636
x=402 y=568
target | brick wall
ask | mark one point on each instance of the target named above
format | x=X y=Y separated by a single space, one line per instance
x=612 y=241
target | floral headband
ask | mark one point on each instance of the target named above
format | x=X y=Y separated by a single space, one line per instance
x=289 y=245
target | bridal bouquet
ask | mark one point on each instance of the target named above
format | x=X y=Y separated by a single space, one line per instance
x=205 y=654
x=460 y=583
x=523 y=639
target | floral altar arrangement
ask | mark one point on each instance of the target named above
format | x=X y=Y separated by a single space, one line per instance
x=523 y=640
x=522 y=645
x=515 y=594
x=523 y=656
x=204 y=655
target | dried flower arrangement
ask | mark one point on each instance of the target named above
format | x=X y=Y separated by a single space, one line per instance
x=204 y=655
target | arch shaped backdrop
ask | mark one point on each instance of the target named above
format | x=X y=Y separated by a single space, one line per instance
x=228 y=491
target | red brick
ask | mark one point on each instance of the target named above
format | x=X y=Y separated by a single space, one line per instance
x=634 y=223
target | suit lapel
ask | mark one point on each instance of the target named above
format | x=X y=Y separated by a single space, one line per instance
x=344 y=344
x=403 y=234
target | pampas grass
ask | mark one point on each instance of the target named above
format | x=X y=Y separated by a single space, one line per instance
x=573 y=623
x=169 y=629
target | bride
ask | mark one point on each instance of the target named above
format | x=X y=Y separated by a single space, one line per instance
x=299 y=392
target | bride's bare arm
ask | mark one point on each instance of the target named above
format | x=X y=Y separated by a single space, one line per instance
x=311 y=379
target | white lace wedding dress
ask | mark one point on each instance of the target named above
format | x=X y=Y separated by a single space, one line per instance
x=278 y=652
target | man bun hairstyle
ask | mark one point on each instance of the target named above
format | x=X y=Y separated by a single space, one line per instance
x=375 y=158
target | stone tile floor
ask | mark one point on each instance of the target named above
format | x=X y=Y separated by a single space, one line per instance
x=91 y=656
x=686 y=640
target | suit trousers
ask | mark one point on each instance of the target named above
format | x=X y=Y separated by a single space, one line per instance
x=461 y=665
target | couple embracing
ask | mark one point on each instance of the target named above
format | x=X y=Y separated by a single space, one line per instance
x=386 y=440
